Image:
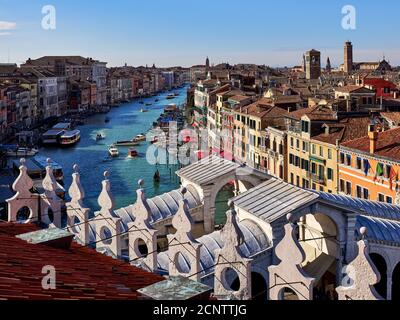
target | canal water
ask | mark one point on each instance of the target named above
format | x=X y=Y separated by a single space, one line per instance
x=126 y=121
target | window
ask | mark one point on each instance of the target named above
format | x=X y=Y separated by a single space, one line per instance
x=341 y=160
x=291 y=142
x=313 y=149
x=291 y=159
x=366 y=194
x=359 y=163
x=388 y=169
x=321 y=189
x=389 y=199
x=359 y=192
x=348 y=188
x=298 y=181
x=321 y=151
x=342 y=186
x=381 y=197
x=305 y=126
x=313 y=168
x=330 y=174
x=298 y=144
x=314 y=186
x=291 y=178
x=348 y=160
x=306 y=184
x=330 y=154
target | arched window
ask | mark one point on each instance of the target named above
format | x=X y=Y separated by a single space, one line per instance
x=396 y=283
x=380 y=264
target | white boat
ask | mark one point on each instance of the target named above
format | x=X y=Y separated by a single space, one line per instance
x=69 y=138
x=22 y=152
x=113 y=151
x=140 y=137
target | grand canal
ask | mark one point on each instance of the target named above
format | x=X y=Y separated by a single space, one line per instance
x=126 y=121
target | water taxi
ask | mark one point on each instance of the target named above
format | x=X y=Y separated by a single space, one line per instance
x=127 y=143
x=22 y=152
x=132 y=153
x=148 y=104
x=70 y=138
x=52 y=136
x=36 y=168
x=113 y=151
x=171 y=96
x=140 y=137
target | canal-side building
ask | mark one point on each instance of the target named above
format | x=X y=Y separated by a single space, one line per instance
x=369 y=167
x=75 y=66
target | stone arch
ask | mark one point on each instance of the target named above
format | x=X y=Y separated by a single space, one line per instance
x=259 y=286
x=382 y=266
x=24 y=211
x=320 y=233
x=396 y=283
x=288 y=294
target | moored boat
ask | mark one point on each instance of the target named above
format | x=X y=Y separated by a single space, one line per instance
x=127 y=143
x=22 y=152
x=70 y=138
x=171 y=96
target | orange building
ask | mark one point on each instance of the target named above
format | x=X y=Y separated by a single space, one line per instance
x=369 y=167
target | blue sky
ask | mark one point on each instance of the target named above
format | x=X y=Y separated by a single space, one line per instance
x=178 y=32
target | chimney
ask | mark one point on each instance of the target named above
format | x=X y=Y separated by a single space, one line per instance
x=373 y=138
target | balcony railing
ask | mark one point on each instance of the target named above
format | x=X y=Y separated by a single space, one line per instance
x=318 y=179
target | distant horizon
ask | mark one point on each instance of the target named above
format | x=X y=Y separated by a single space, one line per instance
x=175 y=34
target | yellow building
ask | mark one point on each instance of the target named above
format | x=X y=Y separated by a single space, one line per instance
x=314 y=135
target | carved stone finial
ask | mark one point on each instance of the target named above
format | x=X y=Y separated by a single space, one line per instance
x=49 y=161
x=231 y=204
x=231 y=234
x=106 y=200
x=76 y=191
x=289 y=217
x=183 y=191
x=364 y=232
x=141 y=183
x=22 y=161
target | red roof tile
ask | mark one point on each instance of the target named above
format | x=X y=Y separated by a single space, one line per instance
x=388 y=144
x=81 y=272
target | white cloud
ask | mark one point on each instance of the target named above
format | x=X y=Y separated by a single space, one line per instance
x=5 y=33
x=6 y=25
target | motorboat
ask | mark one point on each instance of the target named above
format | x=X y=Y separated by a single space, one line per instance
x=113 y=151
x=148 y=104
x=144 y=110
x=127 y=143
x=70 y=138
x=140 y=137
x=99 y=137
x=132 y=153
x=171 y=96
x=22 y=152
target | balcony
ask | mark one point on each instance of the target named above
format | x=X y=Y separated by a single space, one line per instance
x=318 y=179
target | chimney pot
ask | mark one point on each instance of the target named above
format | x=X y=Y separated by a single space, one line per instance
x=373 y=138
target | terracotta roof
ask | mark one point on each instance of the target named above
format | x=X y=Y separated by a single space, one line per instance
x=81 y=273
x=388 y=144
x=346 y=130
x=314 y=113
x=391 y=116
